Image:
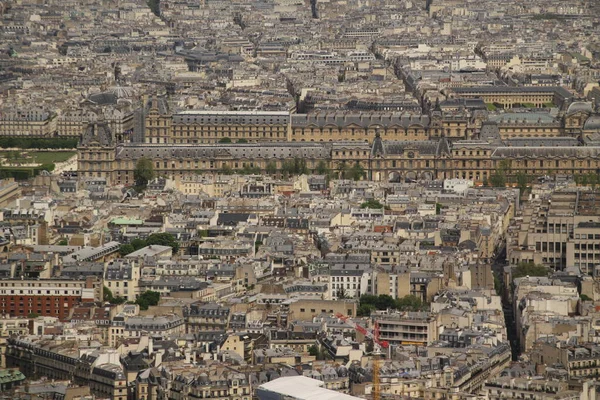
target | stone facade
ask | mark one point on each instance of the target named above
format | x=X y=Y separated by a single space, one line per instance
x=388 y=146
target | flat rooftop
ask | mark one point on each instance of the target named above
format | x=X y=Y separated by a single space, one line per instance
x=298 y=388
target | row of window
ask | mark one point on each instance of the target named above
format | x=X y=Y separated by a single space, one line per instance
x=595 y=236
x=341 y=279
x=589 y=246
x=551 y=246
x=589 y=256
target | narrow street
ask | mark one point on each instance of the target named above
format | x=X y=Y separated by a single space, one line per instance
x=509 y=318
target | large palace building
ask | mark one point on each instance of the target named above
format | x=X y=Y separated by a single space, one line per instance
x=389 y=146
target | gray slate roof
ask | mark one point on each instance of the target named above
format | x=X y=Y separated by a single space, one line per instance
x=363 y=120
x=549 y=152
x=238 y=151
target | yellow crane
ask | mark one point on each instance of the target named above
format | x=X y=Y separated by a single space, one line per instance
x=376 y=387
x=378 y=344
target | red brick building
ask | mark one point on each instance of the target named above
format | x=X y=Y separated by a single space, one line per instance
x=47 y=297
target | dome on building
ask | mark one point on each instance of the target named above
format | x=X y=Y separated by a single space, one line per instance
x=592 y=123
x=112 y=95
x=122 y=92
x=580 y=106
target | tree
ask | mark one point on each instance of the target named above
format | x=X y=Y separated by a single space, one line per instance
x=154 y=7
x=365 y=310
x=287 y=168
x=138 y=243
x=585 y=297
x=322 y=168
x=225 y=140
x=107 y=294
x=46 y=167
x=143 y=172
x=529 y=269
x=271 y=168
x=313 y=350
x=163 y=239
x=250 y=170
x=226 y=170
x=497 y=285
x=300 y=166
x=369 y=303
x=356 y=172
x=522 y=181
x=125 y=249
x=343 y=170
x=108 y=297
x=368 y=299
x=372 y=204
x=498 y=179
x=409 y=303
x=147 y=299
x=242 y=141
x=341 y=294
x=385 y=301
x=381 y=302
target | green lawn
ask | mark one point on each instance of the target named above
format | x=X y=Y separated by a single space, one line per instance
x=42 y=157
x=491 y=106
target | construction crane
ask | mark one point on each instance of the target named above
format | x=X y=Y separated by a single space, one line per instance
x=374 y=336
x=377 y=344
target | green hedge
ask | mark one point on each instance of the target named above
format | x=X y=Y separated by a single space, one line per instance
x=24 y=173
x=38 y=143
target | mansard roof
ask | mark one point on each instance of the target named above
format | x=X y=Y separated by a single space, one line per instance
x=580 y=106
x=592 y=123
x=238 y=151
x=424 y=147
x=547 y=152
x=97 y=134
x=362 y=120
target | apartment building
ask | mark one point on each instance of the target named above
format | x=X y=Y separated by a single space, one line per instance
x=583 y=247
x=523 y=388
x=306 y=310
x=163 y=327
x=416 y=328
x=47 y=297
x=121 y=277
x=559 y=231
x=348 y=283
x=580 y=361
x=510 y=95
x=34 y=122
x=68 y=360
x=207 y=317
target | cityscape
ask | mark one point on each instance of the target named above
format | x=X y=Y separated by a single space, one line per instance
x=299 y=199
